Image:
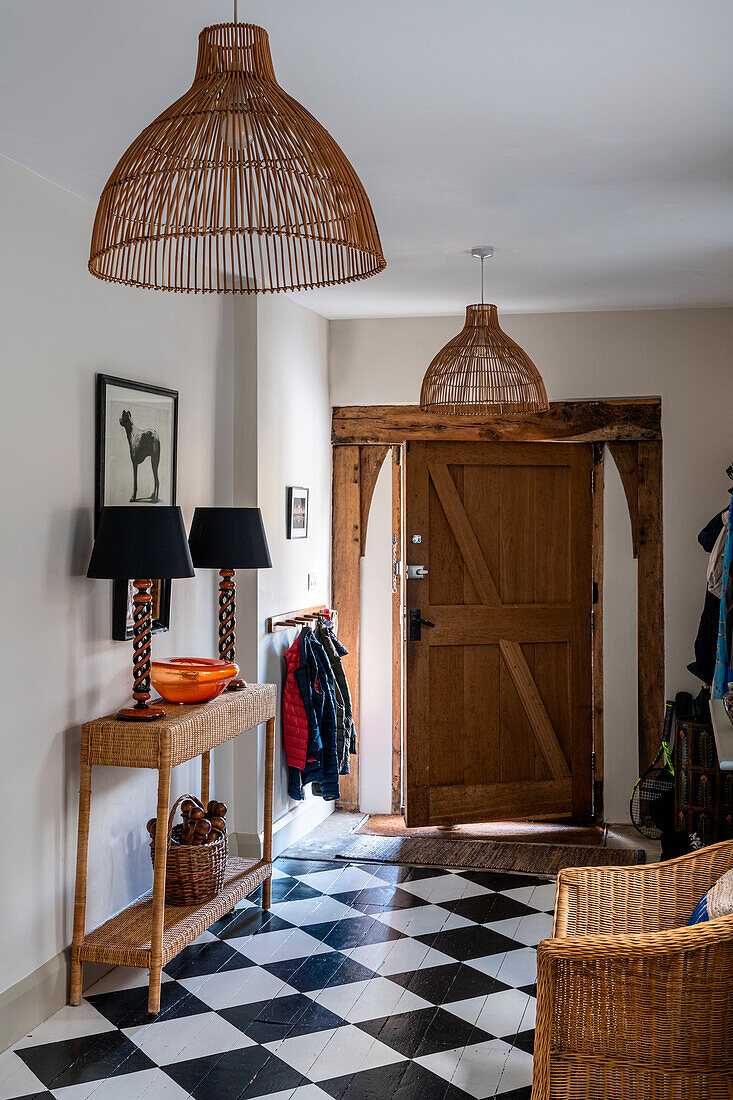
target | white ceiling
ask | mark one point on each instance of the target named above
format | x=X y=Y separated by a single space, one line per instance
x=590 y=141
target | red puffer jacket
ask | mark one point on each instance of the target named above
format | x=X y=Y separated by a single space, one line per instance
x=295 y=719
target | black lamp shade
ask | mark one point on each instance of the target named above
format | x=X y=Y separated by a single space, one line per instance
x=140 y=543
x=229 y=538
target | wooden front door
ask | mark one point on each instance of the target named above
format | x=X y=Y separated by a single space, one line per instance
x=499 y=689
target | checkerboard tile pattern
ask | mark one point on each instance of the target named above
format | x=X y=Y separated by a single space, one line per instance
x=362 y=981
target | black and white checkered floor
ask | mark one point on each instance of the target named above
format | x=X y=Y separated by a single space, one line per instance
x=363 y=981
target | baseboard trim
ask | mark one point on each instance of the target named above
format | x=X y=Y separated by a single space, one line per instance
x=288 y=828
x=31 y=1001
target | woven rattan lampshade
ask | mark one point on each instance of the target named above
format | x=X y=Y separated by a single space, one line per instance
x=235 y=187
x=482 y=370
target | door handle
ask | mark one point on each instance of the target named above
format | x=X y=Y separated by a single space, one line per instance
x=416 y=624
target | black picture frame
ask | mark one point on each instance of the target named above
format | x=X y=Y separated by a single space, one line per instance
x=105 y=385
x=298 y=509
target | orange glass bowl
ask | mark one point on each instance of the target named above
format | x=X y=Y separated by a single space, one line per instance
x=191 y=679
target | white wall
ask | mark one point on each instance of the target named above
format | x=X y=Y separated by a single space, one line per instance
x=254 y=417
x=683 y=355
x=293 y=448
x=60 y=667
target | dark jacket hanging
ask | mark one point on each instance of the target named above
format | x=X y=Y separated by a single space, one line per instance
x=345 y=731
x=316 y=686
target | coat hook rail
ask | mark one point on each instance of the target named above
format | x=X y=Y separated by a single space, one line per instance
x=300 y=617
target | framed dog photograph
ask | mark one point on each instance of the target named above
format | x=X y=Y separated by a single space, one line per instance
x=136 y=452
x=297 y=512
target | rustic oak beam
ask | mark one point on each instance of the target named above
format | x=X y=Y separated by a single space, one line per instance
x=617 y=418
x=598 y=742
x=346 y=587
x=650 y=602
x=640 y=467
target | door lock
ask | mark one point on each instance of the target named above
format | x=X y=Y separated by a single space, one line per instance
x=416 y=572
x=416 y=624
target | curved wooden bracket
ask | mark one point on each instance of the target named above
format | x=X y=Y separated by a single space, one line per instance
x=370 y=462
x=625 y=456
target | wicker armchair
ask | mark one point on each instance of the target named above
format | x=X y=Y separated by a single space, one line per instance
x=630 y=1002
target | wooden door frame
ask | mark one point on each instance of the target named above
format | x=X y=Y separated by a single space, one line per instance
x=362 y=435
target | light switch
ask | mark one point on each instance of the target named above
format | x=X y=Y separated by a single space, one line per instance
x=312 y=581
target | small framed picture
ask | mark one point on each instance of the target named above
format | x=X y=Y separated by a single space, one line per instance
x=136 y=450
x=297 y=512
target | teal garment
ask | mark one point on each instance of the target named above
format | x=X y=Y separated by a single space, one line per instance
x=723 y=674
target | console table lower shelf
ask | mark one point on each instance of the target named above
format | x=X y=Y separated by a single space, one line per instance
x=124 y=940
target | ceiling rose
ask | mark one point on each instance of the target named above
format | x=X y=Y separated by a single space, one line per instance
x=482 y=370
x=235 y=187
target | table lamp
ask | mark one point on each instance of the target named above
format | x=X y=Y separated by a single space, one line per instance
x=227 y=539
x=141 y=542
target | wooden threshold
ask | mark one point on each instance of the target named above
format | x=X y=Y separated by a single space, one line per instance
x=124 y=940
x=520 y=832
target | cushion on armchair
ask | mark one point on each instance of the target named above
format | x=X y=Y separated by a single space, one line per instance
x=718 y=902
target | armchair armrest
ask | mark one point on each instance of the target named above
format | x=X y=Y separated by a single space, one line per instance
x=639 y=945
x=629 y=900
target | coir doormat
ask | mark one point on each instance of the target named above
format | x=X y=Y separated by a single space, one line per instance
x=538 y=859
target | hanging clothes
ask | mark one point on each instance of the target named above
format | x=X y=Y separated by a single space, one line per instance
x=723 y=673
x=309 y=670
x=715 y=565
x=294 y=716
x=345 y=729
x=707 y=632
x=707 y=639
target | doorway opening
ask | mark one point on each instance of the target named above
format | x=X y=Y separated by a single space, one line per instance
x=535 y=465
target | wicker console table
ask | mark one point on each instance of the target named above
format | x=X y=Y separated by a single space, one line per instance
x=147 y=933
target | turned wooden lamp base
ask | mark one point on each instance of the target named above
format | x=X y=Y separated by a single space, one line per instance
x=143 y=632
x=140 y=713
x=236 y=685
x=227 y=623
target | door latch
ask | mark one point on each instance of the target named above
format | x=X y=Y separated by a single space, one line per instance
x=416 y=572
x=416 y=624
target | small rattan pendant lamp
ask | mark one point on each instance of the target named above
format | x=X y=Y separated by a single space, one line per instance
x=235 y=187
x=482 y=370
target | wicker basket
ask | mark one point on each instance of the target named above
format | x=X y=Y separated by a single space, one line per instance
x=194 y=872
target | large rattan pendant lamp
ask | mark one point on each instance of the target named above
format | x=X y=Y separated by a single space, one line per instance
x=235 y=187
x=482 y=370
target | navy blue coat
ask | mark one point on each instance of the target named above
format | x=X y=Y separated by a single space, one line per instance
x=314 y=678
